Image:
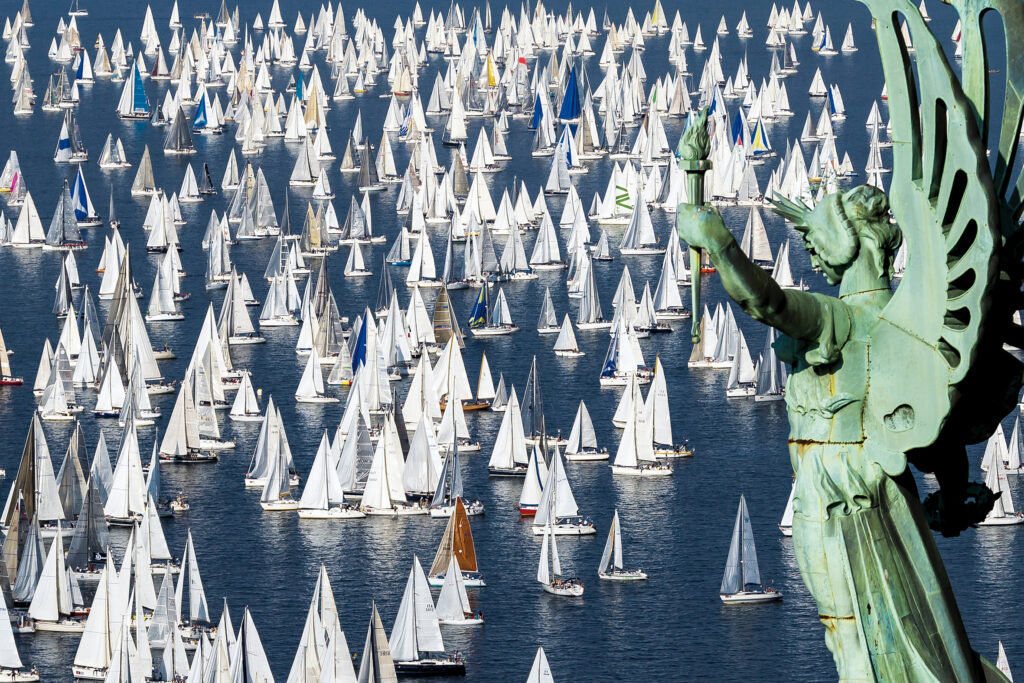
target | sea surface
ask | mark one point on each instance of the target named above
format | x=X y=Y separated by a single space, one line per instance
x=670 y=628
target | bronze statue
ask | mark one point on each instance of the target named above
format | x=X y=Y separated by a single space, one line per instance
x=882 y=378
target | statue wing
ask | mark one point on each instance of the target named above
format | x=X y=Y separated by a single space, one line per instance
x=926 y=347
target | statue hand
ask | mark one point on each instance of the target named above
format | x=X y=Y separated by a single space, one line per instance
x=702 y=227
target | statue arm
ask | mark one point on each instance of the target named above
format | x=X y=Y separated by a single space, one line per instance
x=797 y=314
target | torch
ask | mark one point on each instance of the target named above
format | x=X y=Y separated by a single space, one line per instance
x=693 y=150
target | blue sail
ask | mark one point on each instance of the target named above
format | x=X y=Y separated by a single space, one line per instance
x=478 y=318
x=79 y=199
x=611 y=362
x=738 y=129
x=199 y=120
x=538 y=114
x=359 y=352
x=79 y=73
x=299 y=87
x=570 y=99
x=139 y=101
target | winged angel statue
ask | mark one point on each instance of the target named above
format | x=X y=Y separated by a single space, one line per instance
x=884 y=378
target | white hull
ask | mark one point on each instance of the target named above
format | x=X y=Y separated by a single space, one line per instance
x=279 y=322
x=83 y=672
x=316 y=399
x=548 y=330
x=492 y=331
x=211 y=445
x=602 y=325
x=242 y=341
x=1002 y=521
x=567 y=530
x=642 y=251
x=399 y=511
x=751 y=597
x=570 y=354
x=457 y=622
x=280 y=506
x=587 y=456
x=164 y=317
x=66 y=626
x=469 y=580
x=474 y=509
x=741 y=392
x=257 y=417
x=786 y=530
x=18 y=675
x=572 y=591
x=654 y=471
x=332 y=513
x=623 y=575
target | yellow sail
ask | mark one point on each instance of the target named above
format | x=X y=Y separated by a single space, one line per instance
x=492 y=80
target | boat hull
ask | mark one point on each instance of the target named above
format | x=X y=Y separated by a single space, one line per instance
x=587 y=456
x=751 y=597
x=332 y=513
x=623 y=575
x=457 y=622
x=507 y=472
x=84 y=672
x=1002 y=521
x=567 y=530
x=431 y=667
x=653 y=471
x=65 y=626
x=571 y=591
x=280 y=506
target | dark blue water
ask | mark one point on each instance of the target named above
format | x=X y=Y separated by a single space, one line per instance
x=672 y=627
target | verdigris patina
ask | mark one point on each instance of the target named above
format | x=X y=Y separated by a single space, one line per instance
x=880 y=378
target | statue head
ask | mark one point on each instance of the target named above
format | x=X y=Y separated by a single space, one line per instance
x=844 y=227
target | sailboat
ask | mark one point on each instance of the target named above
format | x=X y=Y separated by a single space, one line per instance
x=1003 y=512
x=742 y=381
x=457 y=543
x=549 y=570
x=741 y=583
x=786 y=523
x=656 y=408
x=384 y=493
x=11 y=667
x=490 y=320
x=557 y=510
x=56 y=603
x=547 y=323
x=611 y=567
x=377 y=665
x=582 y=445
x=540 y=672
x=324 y=497
x=533 y=484
x=636 y=456
x=449 y=491
x=7 y=378
x=416 y=643
x=246 y=407
x=509 y=458
x=565 y=344
x=277 y=495
x=453 y=608
x=311 y=384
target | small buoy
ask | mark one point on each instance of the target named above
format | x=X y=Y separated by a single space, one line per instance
x=259 y=392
